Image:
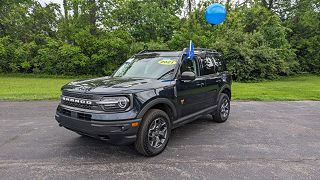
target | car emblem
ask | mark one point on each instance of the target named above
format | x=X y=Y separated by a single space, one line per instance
x=80 y=101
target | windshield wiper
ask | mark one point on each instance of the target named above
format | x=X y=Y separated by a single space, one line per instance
x=166 y=74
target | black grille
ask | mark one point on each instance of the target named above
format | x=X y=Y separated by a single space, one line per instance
x=79 y=115
x=77 y=95
x=84 y=116
x=66 y=112
x=78 y=105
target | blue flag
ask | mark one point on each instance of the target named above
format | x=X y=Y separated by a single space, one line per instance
x=190 y=51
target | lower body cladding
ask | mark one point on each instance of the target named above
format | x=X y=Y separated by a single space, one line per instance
x=120 y=132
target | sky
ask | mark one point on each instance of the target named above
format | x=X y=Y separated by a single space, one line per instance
x=48 y=1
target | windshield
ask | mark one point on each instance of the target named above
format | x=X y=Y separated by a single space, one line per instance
x=148 y=67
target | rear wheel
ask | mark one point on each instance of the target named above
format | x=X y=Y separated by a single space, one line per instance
x=222 y=113
x=154 y=133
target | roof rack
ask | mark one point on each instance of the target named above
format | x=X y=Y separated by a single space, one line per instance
x=207 y=50
x=203 y=50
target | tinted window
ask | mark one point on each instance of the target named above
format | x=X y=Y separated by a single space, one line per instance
x=208 y=66
x=219 y=66
x=189 y=65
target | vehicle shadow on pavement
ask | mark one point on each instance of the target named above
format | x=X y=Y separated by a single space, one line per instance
x=192 y=128
x=90 y=148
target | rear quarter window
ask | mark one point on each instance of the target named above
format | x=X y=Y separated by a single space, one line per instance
x=219 y=64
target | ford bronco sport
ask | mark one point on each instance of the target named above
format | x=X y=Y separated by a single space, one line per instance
x=149 y=95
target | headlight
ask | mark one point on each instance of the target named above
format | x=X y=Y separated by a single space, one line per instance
x=119 y=103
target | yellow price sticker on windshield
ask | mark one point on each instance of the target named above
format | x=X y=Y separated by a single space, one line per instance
x=167 y=62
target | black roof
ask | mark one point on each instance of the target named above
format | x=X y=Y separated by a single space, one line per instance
x=173 y=53
x=160 y=53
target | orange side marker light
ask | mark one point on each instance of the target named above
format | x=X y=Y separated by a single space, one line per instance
x=134 y=124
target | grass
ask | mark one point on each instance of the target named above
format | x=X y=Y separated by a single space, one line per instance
x=305 y=87
x=19 y=87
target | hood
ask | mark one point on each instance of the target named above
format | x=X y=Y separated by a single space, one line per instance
x=106 y=85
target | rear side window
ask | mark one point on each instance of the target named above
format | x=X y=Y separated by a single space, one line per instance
x=208 y=66
x=211 y=64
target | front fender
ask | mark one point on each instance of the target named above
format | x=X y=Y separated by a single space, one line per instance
x=154 y=102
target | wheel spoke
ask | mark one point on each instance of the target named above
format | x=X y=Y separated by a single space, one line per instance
x=157 y=141
x=224 y=110
x=154 y=142
x=163 y=132
x=151 y=134
x=152 y=126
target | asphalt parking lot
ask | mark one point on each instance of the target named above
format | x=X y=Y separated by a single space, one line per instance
x=261 y=140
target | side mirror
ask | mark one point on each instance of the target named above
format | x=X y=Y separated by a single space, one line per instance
x=188 y=76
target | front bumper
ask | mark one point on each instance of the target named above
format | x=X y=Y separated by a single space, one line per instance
x=114 y=131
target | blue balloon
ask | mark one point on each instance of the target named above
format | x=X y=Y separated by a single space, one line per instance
x=215 y=14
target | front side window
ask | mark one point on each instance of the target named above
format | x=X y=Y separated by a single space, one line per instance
x=189 y=65
x=153 y=67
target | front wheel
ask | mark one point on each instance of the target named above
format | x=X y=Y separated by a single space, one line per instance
x=222 y=113
x=154 y=133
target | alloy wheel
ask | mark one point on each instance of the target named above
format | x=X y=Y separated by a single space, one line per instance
x=157 y=133
x=224 y=109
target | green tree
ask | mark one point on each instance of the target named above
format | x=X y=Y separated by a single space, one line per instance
x=305 y=34
x=261 y=39
x=148 y=20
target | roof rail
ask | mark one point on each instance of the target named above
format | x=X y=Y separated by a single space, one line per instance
x=202 y=50
x=150 y=50
x=142 y=51
x=205 y=50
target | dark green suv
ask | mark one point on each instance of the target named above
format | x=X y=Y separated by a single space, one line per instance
x=149 y=95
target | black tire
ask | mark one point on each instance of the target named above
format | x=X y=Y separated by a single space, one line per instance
x=149 y=137
x=223 y=110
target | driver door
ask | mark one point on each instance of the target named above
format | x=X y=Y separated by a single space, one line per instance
x=190 y=94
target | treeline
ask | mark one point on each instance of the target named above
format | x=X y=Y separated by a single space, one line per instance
x=260 y=39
